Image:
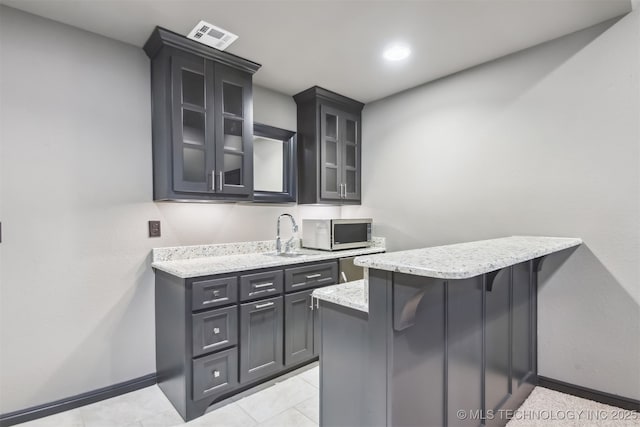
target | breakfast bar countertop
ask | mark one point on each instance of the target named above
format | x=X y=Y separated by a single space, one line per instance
x=465 y=260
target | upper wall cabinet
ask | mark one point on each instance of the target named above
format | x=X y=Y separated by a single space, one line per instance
x=202 y=120
x=329 y=152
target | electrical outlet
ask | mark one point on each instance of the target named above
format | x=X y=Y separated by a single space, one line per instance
x=154 y=228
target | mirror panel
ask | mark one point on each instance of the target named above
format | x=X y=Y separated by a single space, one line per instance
x=268 y=164
x=274 y=164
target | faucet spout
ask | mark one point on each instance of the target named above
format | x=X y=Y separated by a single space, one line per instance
x=287 y=245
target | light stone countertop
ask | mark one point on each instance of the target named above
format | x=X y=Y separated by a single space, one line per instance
x=350 y=294
x=205 y=260
x=464 y=260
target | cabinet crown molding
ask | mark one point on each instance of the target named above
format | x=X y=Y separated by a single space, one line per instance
x=162 y=37
x=317 y=92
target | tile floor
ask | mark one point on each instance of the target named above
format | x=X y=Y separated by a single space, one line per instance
x=292 y=401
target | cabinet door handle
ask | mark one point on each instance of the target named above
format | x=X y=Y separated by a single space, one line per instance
x=216 y=331
x=266 y=304
x=313 y=276
x=213 y=180
x=220 y=181
x=311 y=306
x=263 y=285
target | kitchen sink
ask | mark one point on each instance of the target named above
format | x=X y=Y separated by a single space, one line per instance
x=285 y=254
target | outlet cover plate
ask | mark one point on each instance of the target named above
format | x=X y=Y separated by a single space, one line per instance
x=154 y=228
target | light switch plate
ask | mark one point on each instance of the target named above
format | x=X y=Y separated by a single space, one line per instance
x=154 y=228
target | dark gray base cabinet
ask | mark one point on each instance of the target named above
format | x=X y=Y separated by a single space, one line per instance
x=218 y=335
x=430 y=348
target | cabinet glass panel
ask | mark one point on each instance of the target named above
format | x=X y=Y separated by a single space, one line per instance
x=233 y=169
x=233 y=135
x=192 y=127
x=194 y=164
x=331 y=177
x=332 y=152
x=331 y=126
x=351 y=181
x=232 y=99
x=351 y=131
x=192 y=88
x=351 y=155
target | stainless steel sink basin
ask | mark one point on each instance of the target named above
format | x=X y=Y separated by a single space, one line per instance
x=286 y=254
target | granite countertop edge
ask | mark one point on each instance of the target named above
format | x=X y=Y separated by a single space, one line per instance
x=350 y=294
x=466 y=260
x=221 y=264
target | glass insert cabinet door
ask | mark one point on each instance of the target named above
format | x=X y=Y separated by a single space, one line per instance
x=234 y=132
x=192 y=118
x=351 y=157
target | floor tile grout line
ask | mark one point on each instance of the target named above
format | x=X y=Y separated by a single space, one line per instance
x=246 y=413
x=301 y=413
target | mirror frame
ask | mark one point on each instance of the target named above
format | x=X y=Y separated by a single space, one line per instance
x=289 y=164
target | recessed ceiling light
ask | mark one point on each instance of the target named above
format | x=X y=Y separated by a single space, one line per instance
x=396 y=52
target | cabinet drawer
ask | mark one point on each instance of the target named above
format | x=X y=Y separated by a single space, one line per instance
x=310 y=276
x=214 y=292
x=259 y=285
x=215 y=374
x=215 y=329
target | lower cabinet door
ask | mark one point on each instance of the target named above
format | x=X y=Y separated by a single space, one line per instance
x=298 y=331
x=261 y=338
x=215 y=374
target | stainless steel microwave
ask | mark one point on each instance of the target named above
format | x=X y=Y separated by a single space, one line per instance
x=336 y=234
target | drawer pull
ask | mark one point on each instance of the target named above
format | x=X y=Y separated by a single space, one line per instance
x=216 y=331
x=313 y=276
x=215 y=300
x=216 y=293
x=261 y=291
x=263 y=285
x=216 y=374
x=325 y=279
x=266 y=304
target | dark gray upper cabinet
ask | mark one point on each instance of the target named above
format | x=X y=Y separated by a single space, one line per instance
x=330 y=147
x=202 y=120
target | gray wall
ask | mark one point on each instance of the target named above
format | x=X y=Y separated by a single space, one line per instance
x=76 y=287
x=543 y=142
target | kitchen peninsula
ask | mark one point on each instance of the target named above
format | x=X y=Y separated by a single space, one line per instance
x=436 y=336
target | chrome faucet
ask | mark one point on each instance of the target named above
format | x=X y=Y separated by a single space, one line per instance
x=288 y=243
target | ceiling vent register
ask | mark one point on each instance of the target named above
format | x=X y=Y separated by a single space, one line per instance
x=211 y=35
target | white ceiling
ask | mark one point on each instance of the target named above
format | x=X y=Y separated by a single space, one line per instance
x=338 y=44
